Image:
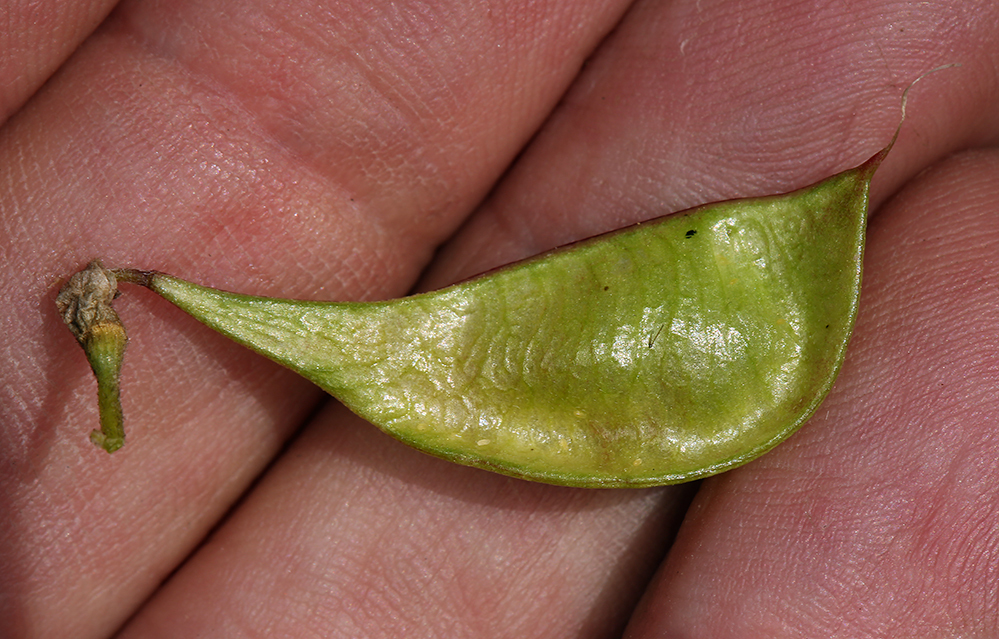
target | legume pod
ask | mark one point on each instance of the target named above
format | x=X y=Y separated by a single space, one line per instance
x=661 y=353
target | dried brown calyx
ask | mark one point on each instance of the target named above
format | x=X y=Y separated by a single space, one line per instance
x=85 y=305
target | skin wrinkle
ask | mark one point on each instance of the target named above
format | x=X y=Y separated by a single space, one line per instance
x=977 y=549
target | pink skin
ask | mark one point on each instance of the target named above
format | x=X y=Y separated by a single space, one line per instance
x=325 y=150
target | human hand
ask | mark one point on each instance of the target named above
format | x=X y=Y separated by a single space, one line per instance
x=325 y=153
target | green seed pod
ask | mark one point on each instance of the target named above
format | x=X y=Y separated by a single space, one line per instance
x=661 y=353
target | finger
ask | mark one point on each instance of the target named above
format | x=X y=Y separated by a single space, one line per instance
x=879 y=518
x=35 y=38
x=322 y=152
x=354 y=535
x=695 y=103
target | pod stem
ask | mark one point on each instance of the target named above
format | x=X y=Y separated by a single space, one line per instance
x=85 y=305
